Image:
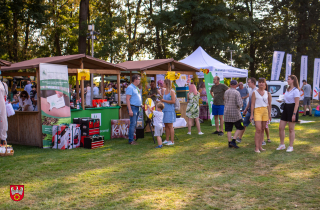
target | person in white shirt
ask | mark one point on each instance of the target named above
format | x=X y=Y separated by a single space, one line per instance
x=290 y=112
x=158 y=122
x=24 y=101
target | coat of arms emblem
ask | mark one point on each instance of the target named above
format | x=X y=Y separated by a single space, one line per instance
x=16 y=192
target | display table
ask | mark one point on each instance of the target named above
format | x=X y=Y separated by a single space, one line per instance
x=104 y=113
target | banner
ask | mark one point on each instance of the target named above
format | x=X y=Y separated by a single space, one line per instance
x=288 y=65
x=55 y=101
x=208 y=79
x=276 y=64
x=316 y=78
x=303 y=72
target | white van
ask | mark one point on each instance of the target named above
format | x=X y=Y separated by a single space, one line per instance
x=276 y=88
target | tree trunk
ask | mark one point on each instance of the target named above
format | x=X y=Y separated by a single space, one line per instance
x=15 y=37
x=26 y=40
x=252 y=55
x=83 y=25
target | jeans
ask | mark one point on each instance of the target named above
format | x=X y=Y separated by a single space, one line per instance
x=133 y=122
x=244 y=104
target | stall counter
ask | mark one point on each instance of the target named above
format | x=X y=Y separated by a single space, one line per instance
x=106 y=114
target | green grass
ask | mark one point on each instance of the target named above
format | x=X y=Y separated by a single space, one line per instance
x=199 y=172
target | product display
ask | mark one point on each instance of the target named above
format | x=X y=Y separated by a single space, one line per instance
x=93 y=142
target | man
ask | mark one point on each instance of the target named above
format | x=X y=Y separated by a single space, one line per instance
x=95 y=90
x=217 y=92
x=133 y=100
x=28 y=87
x=244 y=93
x=233 y=103
x=153 y=91
x=247 y=111
x=307 y=97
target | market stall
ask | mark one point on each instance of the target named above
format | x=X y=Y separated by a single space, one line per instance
x=31 y=124
x=152 y=68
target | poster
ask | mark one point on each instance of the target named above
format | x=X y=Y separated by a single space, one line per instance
x=120 y=129
x=316 y=78
x=288 y=65
x=55 y=101
x=303 y=73
x=276 y=64
x=208 y=79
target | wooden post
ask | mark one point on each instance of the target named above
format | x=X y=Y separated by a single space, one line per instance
x=77 y=87
x=130 y=77
x=102 y=85
x=82 y=86
x=169 y=66
x=119 y=94
x=39 y=108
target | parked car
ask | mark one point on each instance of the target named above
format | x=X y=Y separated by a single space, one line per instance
x=276 y=88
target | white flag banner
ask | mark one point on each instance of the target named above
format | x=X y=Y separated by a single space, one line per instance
x=288 y=65
x=316 y=78
x=276 y=64
x=303 y=72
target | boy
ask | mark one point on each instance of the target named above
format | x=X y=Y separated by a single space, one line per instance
x=157 y=122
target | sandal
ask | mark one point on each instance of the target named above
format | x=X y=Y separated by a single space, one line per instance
x=268 y=140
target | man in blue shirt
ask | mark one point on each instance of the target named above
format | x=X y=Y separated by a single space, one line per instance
x=28 y=87
x=244 y=93
x=133 y=99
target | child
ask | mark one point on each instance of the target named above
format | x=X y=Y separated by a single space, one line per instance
x=157 y=122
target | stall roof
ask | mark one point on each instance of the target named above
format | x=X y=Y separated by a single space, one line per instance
x=71 y=60
x=4 y=63
x=156 y=65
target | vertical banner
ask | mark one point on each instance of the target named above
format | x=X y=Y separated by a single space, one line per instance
x=316 y=78
x=288 y=65
x=208 y=79
x=276 y=64
x=303 y=72
x=55 y=101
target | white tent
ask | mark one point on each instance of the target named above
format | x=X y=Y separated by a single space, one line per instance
x=201 y=60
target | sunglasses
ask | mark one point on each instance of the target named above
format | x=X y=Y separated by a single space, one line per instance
x=23 y=96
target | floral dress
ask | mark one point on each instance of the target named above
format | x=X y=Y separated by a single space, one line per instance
x=193 y=106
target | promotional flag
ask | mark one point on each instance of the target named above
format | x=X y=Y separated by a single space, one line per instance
x=288 y=65
x=303 y=72
x=316 y=78
x=276 y=64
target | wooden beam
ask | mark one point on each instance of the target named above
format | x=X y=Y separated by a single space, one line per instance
x=119 y=94
x=39 y=108
x=96 y=71
x=77 y=88
x=5 y=73
x=151 y=72
x=82 y=86
x=169 y=66
x=130 y=76
x=102 y=86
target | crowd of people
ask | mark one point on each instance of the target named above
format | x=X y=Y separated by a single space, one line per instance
x=230 y=109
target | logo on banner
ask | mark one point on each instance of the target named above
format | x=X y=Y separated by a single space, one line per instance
x=16 y=192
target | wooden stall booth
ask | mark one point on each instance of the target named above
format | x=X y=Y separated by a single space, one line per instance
x=152 y=68
x=25 y=127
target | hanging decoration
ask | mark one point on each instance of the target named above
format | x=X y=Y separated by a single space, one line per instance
x=205 y=71
x=171 y=75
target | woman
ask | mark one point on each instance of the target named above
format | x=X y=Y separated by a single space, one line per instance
x=16 y=105
x=260 y=112
x=192 y=111
x=14 y=90
x=290 y=112
x=169 y=115
x=24 y=102
x=88 y=95
x=161 y=88
x=203 y=96
x=3 y=113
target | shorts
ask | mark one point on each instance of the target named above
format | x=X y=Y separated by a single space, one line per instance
x=261 y=114
x=217 y=109
x=229 y=125
x=158 y=131
x=288 y=112
x=246 y=121
x=306 y=101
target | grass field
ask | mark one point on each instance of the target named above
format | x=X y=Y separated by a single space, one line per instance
x=199 y=172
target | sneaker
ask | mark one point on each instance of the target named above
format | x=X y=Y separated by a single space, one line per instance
x=216 y=132
x=290 y=149
x=189 y=133
x=200 y=133
x=281 y=147
x=238 y=140
x=229 y=145
x=264 y=143
x=170 y=143
x=233 y=144
x=220 y=133
x=159 y=146
x=133 y=143
x=269 y=140
x=165 y=142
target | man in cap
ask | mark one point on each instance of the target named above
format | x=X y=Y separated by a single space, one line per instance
x=232 y=115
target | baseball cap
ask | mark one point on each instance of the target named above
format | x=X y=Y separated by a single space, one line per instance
x=233 y=82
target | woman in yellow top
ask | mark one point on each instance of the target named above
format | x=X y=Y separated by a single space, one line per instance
x=260 y=111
